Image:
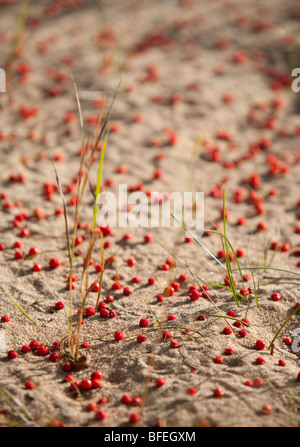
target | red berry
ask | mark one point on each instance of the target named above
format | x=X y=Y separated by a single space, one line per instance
x=137 y=401
x=183 y=277
x=104 y=312
x=54 y=357
x=12 y=354
x=243 y=333
x=134 y=418
x=136 y=279
x=141 y=338
x=169 y=291
x=127 y=291
x=18 y=254
x=275 y=296
x=174 y=344
x=218 y=360
x=266 y=409
x=287 y=341
x=147 y=238
x=260 y=360
x=131 y=262
x=227 y=330
x=59 y=305
x=228 y=351
x=191 y=390
x=95 y=287
x=92 y=406
x=37 y=268
x=218 y=393
x=54 y=263
x=90 y=311
x=144 y=322
x=258 y=382
x=100 y=415
x=96 y=383
x=85 y=385
x=96 y=375
x=126 y=399
x=29 y=385
x=34 y=344
x=118 y=335
x=33 y=251
x=42 y=351
x=25 y=349
x=160 y=382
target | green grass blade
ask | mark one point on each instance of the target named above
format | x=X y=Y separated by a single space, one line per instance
x=283 y=325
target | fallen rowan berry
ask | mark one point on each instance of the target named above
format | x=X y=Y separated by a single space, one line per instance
x=275 y=296
x=100 y=415
x=25 y=349
x=218 y=360
x=54 y=263
x=266 y=409
x=126 y=399
x=18 y=254
x=218 y=393
x=169 y=291
x=191 y=390
x=85 y=385
x=92 y=406
x=90 y=311
x=144 y=322
x=243 y=333
x=37 y=268
x=227 y=330
x=54 y=357
x=42 y=350
x=258 y=382
x=134 y=418
x=260 y=360
x=228 y=351
x=59 y=305
x=141 y=338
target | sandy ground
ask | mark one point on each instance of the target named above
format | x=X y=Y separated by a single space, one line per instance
x=200 y=52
